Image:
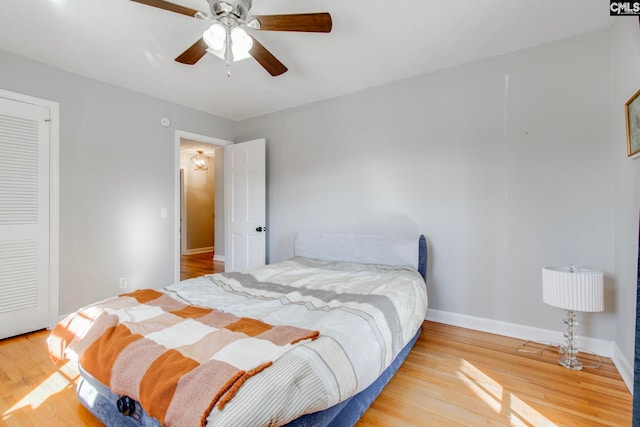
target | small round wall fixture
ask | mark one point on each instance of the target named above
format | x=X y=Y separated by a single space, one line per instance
x=165 y=121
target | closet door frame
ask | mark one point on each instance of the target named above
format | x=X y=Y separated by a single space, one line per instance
x=54 y=196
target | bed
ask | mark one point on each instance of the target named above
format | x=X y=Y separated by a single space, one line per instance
x=331 y=326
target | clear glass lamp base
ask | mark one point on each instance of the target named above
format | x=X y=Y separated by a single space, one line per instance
x=570 y=363
x=570 y=349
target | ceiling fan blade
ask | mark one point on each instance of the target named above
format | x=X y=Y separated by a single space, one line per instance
x=194 y=53
x=171 y=7
x=308 y=22
x=266 y=59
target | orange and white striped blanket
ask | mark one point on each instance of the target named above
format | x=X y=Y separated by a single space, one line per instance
x=177 y=360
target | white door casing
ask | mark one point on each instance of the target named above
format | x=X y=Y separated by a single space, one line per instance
x=28 y=214
x=245 y=205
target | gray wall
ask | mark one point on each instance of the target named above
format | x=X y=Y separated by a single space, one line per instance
x=505 y=165
x=625 y=82
x=117 y=168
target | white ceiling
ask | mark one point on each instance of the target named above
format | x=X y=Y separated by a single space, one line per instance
x=373 y=42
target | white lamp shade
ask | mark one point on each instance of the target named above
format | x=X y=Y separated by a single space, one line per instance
x=241 y=44
x=578 y=290
x=215 y=36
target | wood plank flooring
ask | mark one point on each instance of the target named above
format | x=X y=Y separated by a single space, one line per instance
x=457 y=376
x=199 y=265
x=453 y=376
x=36 y=392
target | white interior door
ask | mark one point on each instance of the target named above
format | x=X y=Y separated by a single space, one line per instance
x=245 y=205
x=24 y=217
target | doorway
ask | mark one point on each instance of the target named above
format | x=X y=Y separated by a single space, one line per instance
x=199 y=226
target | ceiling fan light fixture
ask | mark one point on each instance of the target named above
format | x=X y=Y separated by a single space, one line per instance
x=241 y=44
x=215 y=37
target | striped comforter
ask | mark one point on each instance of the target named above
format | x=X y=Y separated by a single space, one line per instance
x=365 y=314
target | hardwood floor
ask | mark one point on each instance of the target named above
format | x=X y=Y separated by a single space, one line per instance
x=33 y=390
x=457 y=376
x=453 y=376
x=199 y=265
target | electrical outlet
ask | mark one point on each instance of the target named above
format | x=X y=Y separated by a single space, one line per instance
x=123 y=283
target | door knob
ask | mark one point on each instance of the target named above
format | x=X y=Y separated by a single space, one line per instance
x=259 y=229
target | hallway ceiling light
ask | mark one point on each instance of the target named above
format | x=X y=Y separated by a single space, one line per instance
x=200 y=161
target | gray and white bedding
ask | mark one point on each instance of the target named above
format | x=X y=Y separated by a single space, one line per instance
x=365 y=314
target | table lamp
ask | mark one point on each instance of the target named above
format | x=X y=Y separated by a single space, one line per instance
x=574 y=289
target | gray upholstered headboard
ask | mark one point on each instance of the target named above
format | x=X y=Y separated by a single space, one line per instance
x=404 y=250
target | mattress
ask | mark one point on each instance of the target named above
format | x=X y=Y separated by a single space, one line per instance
x=368 y=315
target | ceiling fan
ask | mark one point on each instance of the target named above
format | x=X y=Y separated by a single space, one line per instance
x=227 y=39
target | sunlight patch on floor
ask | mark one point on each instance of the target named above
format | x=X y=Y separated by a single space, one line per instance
x=489 y=391
x=525 y=415
x=63 y=378
x=499 y=400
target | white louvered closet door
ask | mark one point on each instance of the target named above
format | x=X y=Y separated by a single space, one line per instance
x=24 y=217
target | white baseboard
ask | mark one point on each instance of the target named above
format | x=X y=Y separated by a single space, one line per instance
x=217 y=257
x=624 y=367
x=199 y=250
x=595 y=345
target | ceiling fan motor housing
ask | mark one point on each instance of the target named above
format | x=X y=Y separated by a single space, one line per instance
x=237 y=9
